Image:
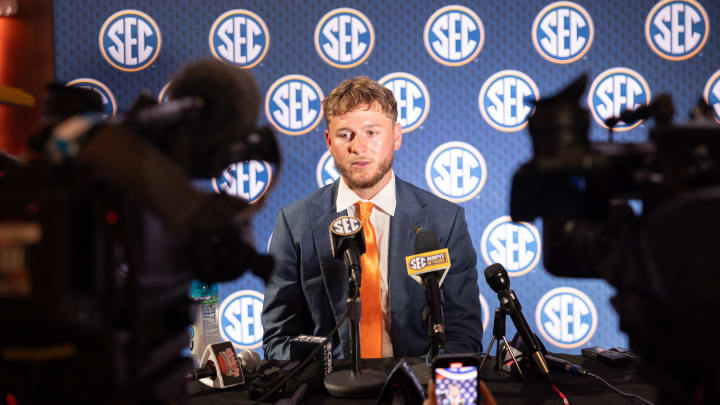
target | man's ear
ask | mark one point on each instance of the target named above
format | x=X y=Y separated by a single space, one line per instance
x=327 y=138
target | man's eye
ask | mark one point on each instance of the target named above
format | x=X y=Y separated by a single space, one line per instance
x=345 y=135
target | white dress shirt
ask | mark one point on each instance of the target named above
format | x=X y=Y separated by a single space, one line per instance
x=384 y=202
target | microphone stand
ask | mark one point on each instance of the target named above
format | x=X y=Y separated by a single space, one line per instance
x=354 y=383
x=499 y=335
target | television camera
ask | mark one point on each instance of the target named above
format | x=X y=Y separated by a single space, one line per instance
x=642 y=216
x=102 y=232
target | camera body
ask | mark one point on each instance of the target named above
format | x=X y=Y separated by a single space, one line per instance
x=639 y=215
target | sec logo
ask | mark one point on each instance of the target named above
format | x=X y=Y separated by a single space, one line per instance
x=344 y=38
x=485 y=312
x=292 y=104
x=240 y=319
x=506 y=100
x=325 y=172
x=247 y=180
x=455 y=171
x=107 y=97
x=677 y=29
x=162 y=95
x=345 y=225
x=566 y=317
x=418 y=263
x=515 y=245
x=563 y=32
x=712 y=94
x=454 y=35
x=614 y=91
x=413 y=99
x=130 y=40
x=239 y=38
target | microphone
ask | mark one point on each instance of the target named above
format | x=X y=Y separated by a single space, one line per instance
x=223 y=368
x=348 y=242
x=497 y=278
x=564 y=366
x=661 y=108
x=431 y=264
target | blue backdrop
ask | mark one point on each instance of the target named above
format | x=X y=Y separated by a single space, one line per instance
x=462 y=73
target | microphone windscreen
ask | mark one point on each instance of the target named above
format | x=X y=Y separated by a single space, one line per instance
x=249 y=360
x=425 y=241
x=497 y=277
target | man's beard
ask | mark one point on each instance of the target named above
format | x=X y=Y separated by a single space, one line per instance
x=383 y=169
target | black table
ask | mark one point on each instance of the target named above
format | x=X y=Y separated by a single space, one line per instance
x=507 y=389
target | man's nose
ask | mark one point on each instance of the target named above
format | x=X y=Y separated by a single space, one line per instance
x=359 y=143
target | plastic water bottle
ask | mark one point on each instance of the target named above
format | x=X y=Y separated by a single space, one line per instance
x=204 y=330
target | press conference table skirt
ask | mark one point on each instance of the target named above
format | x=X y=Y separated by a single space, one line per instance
x=507 y=389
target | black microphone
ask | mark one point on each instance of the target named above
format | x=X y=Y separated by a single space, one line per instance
x=564 y=366
x=347 y=241
x=223 y=367
x=497 y=278
x=431 y=264
x=661 y=108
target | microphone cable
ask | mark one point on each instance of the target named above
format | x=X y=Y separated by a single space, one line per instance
x=625 y=394
x=562 y=396
x=310 y=356
x=574 y=369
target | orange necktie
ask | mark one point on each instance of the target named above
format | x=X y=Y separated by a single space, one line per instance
x=371 y=323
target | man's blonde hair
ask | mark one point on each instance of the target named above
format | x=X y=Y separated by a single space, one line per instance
x=357 y=91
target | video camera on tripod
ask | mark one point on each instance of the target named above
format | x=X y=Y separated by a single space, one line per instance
x=101 y=236
x=663 y=261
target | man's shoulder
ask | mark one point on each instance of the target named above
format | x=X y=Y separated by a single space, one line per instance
x=321 y=197
x=425 y=198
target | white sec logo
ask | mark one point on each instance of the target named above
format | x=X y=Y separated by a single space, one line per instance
x=563 y=32
x=454 y=35
x=344 y=38
x=240 y=319
x=130 y=40
x=248 y=180
x=412 y=97
x=345 y=225
x=614 y=91
x=506 y=100
x=515 y=245
x=293 y=104
x=677 y=29
x=566 y=317
x=712 y=94
x=455 y=171
x=325 y=171
x=239 y=38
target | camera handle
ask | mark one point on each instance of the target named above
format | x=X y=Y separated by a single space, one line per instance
x=499 y=335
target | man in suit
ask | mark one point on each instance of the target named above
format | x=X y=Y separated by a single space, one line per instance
x=308 y=290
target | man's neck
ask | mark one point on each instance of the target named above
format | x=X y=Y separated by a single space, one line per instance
x=370 y=192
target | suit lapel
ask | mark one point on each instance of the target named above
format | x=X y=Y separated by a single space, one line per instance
x=401 y=287
x=333 y=270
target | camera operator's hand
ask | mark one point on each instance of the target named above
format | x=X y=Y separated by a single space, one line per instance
x=431 y=399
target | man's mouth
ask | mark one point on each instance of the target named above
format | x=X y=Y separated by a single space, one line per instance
x=361 y=163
